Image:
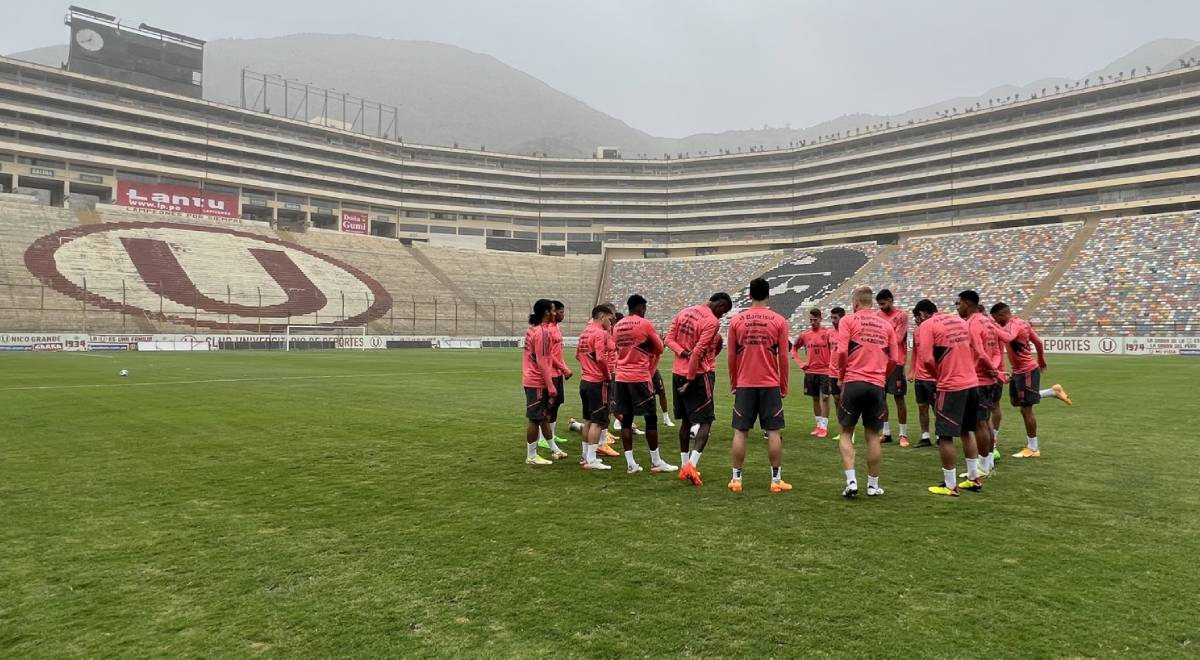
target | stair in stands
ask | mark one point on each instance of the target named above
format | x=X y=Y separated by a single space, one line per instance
x=1061 y=266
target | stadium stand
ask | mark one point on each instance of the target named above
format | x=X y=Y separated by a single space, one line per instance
x=1136 y=276
x=808 y=274
x=1002 y=265
x=472 y=292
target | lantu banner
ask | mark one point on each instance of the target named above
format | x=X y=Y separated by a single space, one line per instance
x=168 y=198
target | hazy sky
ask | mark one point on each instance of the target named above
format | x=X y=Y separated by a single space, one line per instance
x=676 y=67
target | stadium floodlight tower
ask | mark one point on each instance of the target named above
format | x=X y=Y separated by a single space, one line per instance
x=303 y=337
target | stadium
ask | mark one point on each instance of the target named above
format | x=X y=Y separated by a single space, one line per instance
x=315 y=450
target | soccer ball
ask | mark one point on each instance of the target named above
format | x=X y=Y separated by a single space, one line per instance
x=124 y=373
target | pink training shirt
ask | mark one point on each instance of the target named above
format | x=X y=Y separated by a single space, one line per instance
x=985 y=346
x=945 y=344
x=758 y=350
x=816 y=347
x=537 y=368
x=1019 y=354
x=556 y=350
x=694 y=330
x=920 y=371
x=638 y=349
x=899 y=321
x=592 y=353
x=867 y=349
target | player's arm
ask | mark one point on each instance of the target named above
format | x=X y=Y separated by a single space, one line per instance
x=545 y=362
x=560 y=365
x=733 y=357
x=673 y=338
x=839 y=355
x=895 y=352
x=983 y=363
x=782 y=337
x=799 y=344
x=924 y=351
x=1039 y=347
x=704 y=344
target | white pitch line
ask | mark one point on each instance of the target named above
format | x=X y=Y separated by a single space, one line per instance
x=246 y=380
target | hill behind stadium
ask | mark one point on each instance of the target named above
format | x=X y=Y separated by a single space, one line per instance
x=449 y=95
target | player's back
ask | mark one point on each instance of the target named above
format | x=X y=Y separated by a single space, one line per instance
x=1020 y=354
x=638 y=346
x=591 y=353
x=948 y=341
x=537 y=347
x=757 y=336
x=986 y=343
x=867 y=340
x=899 y=321
x=687 y=327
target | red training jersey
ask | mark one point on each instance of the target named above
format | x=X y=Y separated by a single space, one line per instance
x=695 y=331
x=816 y=346
x=899 y=321
x=985 y=345
x=867 y=349
x=537 y=366
x=593 y=353
x=1020 y=356
x=920 y=371
x=638 y=349
x=758 y=350
x=556 y=350
x=945 y=345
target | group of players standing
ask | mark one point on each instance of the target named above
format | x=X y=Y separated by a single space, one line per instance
x=956 y=368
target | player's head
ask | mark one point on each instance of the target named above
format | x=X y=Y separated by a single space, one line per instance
x=720 y=303
x=861 y=298
x=602 y=316
x=617 y=316
x=560 y=310
x=542 y=309
x=760 y=289
x=814 y=317
x=885 y=299
x=924 y=309
x=836 y=314
x=967 y=303
x=636 y=305
x=1001 y=313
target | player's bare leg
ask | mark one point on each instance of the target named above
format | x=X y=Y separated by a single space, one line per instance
x=846 y=449
x=1031 y=449
x=775 y=454
x=902 y=418
x=737 y=456
x=949 y=459
x=691 y=468
x=816 y=401
x=997 y=416
x=531 y=439
x=971 y=452
x=874 y=461
x=923 y=417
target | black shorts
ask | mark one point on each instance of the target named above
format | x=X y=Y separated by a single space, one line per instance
x=595 y=401
x=696 y=405
x=1025 y=389
x=956 y=412
x=985 y=397
x=562 y=395
x=537 y=403
x=897 y=384
x=925 y=391
x=832 y=388
x=634 y=399
x=764 y=404
x=814 y=384
x=865 y=401
x=657 y=381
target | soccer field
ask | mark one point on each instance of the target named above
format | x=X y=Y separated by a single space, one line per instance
x=377 y=504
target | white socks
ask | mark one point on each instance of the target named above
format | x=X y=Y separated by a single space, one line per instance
x=887 y=428
x=683 y=458
x=924 y=435
x=530 y=449
x=872 y=482
x=989 y=461
x=655 y=459
x=694 y=459
x=851 y=476
x=1046 y=393
x=541 y=436
x=616 y=424
x=973 y=468
x=948 y=478
x=904 y=430
x=554 y=429
x=629 y=458
x=553 y=444
x=1032 y=443
x=737 y=474
x=667 y=419
x=776 y=473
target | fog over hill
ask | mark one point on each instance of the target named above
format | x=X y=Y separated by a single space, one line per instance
x=448 y=95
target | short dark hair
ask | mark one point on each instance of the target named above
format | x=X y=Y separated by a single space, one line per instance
x=539 y=310
x=925 y=306
x=636 y=300
x=998 y=307
x=617 y=316
x=884 y=294
x=840 y=311
x=760 y=289
x=600 y=310
x=721 y=296
x=609 y=307
x=558 y=304
x=815 y=311
x=970 y=296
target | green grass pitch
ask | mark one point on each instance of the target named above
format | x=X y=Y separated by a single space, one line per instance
x=377 y=504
